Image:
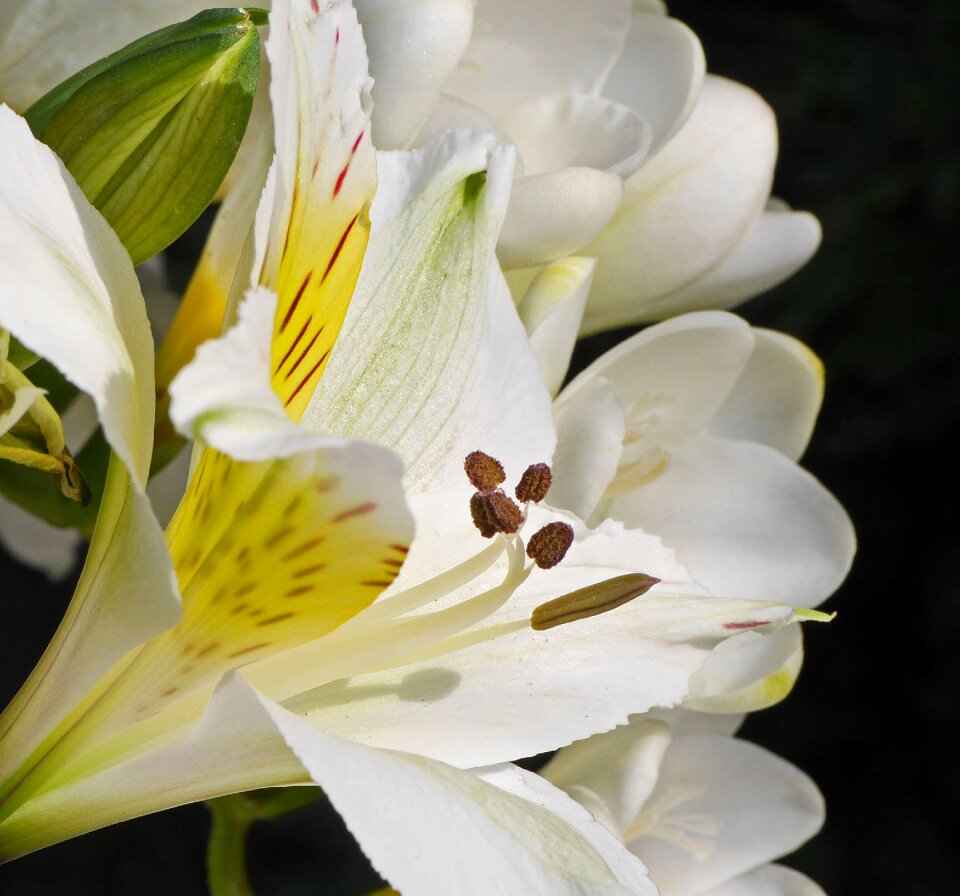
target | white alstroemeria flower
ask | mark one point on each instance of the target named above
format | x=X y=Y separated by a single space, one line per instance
x=285 y=536
x=707 y=813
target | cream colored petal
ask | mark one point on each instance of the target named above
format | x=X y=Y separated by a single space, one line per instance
x=721 y=807
x=777 y=398
x=687 y=209
x=659 y=75
x=522 y=50
x=577 y=130
x=551 y=310
x=780 y=243
x=413 y=47
x=591 y=427
x=745 y=520
x=556 y=214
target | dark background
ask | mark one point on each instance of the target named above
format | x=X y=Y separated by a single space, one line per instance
x=866 y=94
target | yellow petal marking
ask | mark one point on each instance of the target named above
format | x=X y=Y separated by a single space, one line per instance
x=268 y=556
x=313 y=258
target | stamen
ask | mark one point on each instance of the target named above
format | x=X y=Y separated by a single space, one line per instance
x=484 y=472
x=494 y=512
x=549 y=545
x=591 y=601
x=534 y=484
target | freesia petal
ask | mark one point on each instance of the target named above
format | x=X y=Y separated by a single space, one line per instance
x=523 y=50
x=749 y=672
x=770 y=880
x=591 y=426
x=449 y=113
x=684 y=367
x=577 y=130
x=777 y=398
x=413 y=47
x=779 y=244
x=617 y=769
x=325 y=180
x=556 y=214
x=44 y=42
x=433 y=361
x=551 y=310
x=659 y=75
x=750 y=806
x=746 y=520
x=686 y=209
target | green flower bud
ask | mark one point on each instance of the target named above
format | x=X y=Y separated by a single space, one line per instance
x=150 y=131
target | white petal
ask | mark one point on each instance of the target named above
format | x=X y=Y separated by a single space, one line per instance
x=577 y=130
x=433 y=360
x=777 y=398
x=413 y=46
x=502 y=689
x=687 y=209
x=629 y=871
x=431 y=829
x=85 y=312
x=770 y=880
x=556 y=214
x=44 y=42
x=684 y=369
x=127 y=592
x=618 y=769
x=523 y=50
x=551 y=310
x=659 y=74
x=591 y=426
x=747 y=521
x=451 y=114
x=749 y=672
x=760 y=808
x=234 y=746
x=778 y=245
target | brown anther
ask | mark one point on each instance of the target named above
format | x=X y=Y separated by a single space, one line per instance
x=549 y=545
x=494 y=512
x=591 y=601
x=484 y=472
x=534 y=483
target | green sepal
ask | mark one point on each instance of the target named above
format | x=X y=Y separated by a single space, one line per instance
x=150 y=132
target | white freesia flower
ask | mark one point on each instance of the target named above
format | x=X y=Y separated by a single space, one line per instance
x=286 y=536
x=705 y=812
x=692 y=429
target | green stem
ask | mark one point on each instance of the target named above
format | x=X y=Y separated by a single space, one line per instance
x=226 y=851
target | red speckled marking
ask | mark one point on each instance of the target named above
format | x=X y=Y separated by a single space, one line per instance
x=753 y=623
